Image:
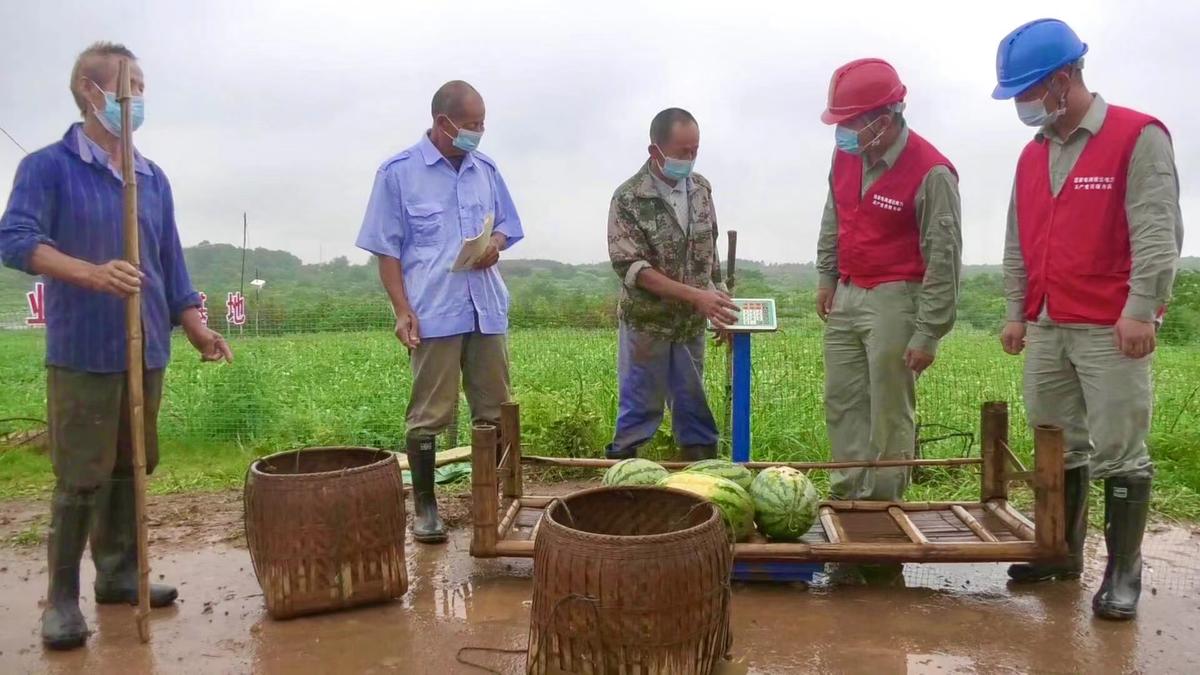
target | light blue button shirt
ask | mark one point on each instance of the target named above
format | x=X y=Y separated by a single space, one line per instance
x=421 y=209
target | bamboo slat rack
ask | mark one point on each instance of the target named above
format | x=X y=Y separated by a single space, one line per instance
x=989 y=530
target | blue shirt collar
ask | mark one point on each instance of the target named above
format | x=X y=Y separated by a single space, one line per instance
x=91 y=152
x=432 y=155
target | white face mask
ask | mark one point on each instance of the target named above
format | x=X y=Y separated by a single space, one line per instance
x=1033 y=113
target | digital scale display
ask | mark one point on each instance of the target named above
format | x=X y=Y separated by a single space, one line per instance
x=756 y=315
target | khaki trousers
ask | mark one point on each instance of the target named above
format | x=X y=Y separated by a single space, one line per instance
x=1077 y=379
x=479 y=361
x=870 y=394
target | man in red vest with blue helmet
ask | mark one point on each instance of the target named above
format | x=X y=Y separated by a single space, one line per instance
x=1094 y=236
x=889 y=257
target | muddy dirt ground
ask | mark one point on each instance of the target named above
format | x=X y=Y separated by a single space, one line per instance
x=941 y=619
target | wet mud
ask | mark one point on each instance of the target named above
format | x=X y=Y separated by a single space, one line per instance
x=940 y=619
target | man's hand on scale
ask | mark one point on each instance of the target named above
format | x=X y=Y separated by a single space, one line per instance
x=717 y=307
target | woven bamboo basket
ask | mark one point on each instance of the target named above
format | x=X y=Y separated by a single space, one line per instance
x=630 y=580
x=325 y=528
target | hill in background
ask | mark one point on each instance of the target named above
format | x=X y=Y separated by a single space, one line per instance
x=544 y=292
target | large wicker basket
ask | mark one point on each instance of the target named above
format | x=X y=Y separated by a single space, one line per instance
x=630 y=580
x=325 y=528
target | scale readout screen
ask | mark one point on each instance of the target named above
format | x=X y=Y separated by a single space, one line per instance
x=757 y=314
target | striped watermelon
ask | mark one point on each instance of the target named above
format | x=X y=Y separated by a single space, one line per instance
x=785 y=503
x=734 y=503
x=634 y=471
x=725 y=469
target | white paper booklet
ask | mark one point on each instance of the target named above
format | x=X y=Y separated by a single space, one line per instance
x=473 y=248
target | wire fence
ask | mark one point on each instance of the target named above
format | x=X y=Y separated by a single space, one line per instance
x=331 y=373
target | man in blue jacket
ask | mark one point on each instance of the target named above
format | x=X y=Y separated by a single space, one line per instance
x=64 y=222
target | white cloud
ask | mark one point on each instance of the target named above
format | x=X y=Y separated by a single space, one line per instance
x=284 y=109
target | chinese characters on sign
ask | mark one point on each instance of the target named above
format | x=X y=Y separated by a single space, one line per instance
x=235 y=308
x=37 y=305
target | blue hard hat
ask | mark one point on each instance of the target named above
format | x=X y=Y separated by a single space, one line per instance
x=1033 y=51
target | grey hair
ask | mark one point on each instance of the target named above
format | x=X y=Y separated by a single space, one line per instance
x=93 y=64
x=448 y=100
x=665 y=121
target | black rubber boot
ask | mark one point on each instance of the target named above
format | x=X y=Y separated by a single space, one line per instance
x=1076 y=497
x=427 y=526
x=63 y=625
x=695 y=453
x=114 y=548
x=1126 y=507
x=609 y=453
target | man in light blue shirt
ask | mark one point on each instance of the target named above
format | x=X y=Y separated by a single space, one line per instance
x=426 y=201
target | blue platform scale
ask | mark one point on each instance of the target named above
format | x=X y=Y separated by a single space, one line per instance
x=756 y=315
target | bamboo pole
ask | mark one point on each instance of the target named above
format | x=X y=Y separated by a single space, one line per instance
x=1016 y=515
x=133 y=339
x=974 y=525
x=832 y=526
x=861 y=506
x=1021 y=529
x=534 y=502
x=510 y=517
x=1049 y=506
x=1011 y=551
x=510 y=437
x=519 y=548
x=993 y=440
x=802 y=466
x=1017 y=465
x=484 y=501
x=730 y=282
x=907 y=526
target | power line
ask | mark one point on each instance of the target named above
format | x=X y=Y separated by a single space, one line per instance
x=14 y=140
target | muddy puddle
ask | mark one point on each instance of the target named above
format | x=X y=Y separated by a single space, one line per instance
x=941 y=619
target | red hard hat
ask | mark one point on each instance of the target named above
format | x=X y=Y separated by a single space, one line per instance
x=861 y=86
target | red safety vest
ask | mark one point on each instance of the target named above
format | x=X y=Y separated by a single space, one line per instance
x=1076 y=244
x=879 y=239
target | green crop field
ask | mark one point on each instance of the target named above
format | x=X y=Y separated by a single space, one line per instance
x=351 y=388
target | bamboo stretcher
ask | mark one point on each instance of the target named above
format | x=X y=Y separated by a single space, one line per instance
x=506 y=521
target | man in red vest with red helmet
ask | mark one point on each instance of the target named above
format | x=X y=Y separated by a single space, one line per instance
x=1094 y=236
x=889 y=257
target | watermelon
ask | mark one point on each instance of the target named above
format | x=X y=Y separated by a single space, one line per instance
x=785 y=503
x=734 y=503
x=725 y=469
x=634 y=471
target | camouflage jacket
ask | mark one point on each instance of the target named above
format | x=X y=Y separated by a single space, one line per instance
x=643 y=231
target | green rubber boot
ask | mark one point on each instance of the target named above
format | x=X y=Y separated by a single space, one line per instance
x=1076 y=497
x=427 y=526
x=63 y=625
x=114 y=548
x=1126 y=507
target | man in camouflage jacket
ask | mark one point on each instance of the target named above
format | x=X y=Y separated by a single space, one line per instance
x=662 y=240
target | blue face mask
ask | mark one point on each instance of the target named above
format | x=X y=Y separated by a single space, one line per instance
x=847 y=140
x=110 y=118
x=676 y=169
x=465 y=139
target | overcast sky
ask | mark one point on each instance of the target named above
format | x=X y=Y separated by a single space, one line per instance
x=286 y=109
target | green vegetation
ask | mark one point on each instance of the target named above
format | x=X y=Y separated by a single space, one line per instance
x=325 y=370
x=351 y=388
